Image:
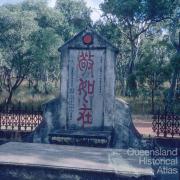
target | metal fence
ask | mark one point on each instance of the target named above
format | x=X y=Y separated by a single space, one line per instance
x=19 y=119
x=166 y=124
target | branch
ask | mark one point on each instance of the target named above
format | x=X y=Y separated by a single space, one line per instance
x=143 y=30
x=173 y=35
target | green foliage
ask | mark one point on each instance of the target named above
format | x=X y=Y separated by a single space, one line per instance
x=47 y=17
x=77 y=16
x=45 y=43
x=154 y=68
x=139 y=10
x=17 y=27
x=30 y=36
x=110 y=31
x=175 y=61
x=134 y=19
x=132 y=84
x=31 y=33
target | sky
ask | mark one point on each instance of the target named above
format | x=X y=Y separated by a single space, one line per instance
x=94 y=4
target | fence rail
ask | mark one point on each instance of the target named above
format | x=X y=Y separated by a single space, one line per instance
x=19 y=119
x=166 y=124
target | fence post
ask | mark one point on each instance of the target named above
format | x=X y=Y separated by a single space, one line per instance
x=12 y=111
x=19 y=116
x=0 y=116
x=39 y=115
x=25 y=118
x=172 y=124
x=158 y=119
x=165 y=123
x=6 y=117
x=32 y=117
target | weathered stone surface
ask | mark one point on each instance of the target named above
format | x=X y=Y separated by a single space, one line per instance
x=125 y=133
x=85 y=88
x=87 y=93
x=38 y=161
x=87 y=82
x=50 y=123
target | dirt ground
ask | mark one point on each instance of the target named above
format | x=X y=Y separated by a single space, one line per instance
x=143 y=124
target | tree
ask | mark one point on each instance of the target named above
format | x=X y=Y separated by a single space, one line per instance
x=175 y=64
x=77 y=16
x=112 y=33
x=16 y=27
x=134 y=18
x=174 y=33
x=153 y=68
x=30 y=36
x=28 y=50
x=46 y=68
x=57 y=24
x=47 y=17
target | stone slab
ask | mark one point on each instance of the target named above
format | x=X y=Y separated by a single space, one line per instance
x=72 y=158
x=84 y=133
x=86 y=88
x=82 y=138
x=87 y=82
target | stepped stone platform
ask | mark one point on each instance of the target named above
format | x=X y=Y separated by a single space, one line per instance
x=44 y=161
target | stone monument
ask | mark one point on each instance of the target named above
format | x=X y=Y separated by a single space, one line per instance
x=87 y=110
x=86 y=113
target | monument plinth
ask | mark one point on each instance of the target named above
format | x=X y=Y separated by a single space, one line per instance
x=87 y=108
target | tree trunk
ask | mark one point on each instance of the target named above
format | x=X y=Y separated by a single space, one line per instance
x=9 y=99
x=169 y=101
x=152 y=100
x=171 y=92
x=130 y=68
x=12 y=90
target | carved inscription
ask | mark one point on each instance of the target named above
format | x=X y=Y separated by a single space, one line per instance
x=86 y=88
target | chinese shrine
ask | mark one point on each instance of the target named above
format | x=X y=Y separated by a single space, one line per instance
x=87 y=112
x=87 y=81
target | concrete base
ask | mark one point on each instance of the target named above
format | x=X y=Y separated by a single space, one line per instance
x=44 y=161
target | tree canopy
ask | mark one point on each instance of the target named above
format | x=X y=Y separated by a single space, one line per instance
x=30 y=35
x=133 y=18
x=146 y=32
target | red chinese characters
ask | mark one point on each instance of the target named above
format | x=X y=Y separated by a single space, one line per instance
x=85 y=115
x=86 y=86
x=85 y=62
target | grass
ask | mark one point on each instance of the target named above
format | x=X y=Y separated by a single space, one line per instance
x=29 y=97
x=140 y=106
